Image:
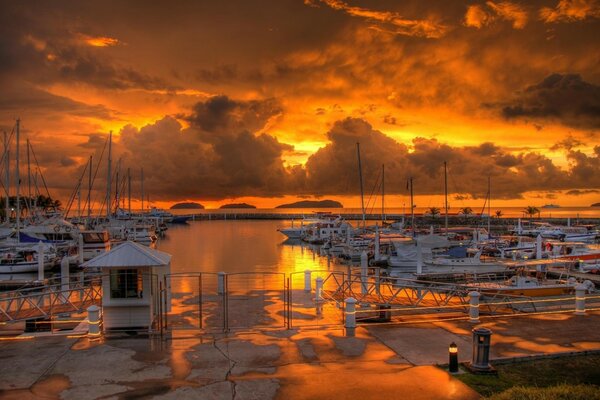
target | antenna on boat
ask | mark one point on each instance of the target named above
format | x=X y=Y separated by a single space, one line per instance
x=489 y=205
x=362 y=194
x=129 y=190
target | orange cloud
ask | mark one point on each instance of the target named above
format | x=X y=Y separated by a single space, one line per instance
x=100 y=41
x=571 y=10
x=396 y=22
x=478 y=16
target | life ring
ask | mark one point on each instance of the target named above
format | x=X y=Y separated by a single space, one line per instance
x=56 y=228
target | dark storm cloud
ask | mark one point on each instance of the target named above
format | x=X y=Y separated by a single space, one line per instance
x=578 y=192
x=222 y=114
x=27 y=99
x=565 y=98
x=48 y=47
x=333 y=169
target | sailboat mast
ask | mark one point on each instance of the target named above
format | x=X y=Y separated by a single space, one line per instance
x=29 y=209
x=117 y=205
x=412 y=207
x=18 y=182
x=7 y=177
x=129 y=190
x=489 y=204
x=89 y=197
x=142 y=189
x=382 y=194
x=362 y=195
x=108 y=177
x=446 y=196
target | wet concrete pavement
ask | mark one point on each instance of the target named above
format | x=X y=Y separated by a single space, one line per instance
x=379 y=361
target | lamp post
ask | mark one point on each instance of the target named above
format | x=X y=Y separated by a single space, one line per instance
x=453 y=358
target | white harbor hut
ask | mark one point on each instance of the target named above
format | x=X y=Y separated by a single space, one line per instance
x=131 y=277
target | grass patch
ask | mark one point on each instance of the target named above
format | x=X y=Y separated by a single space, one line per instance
x=578 y=370
x=560 y=392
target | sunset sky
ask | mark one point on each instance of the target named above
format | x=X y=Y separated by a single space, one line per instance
x=264 y=101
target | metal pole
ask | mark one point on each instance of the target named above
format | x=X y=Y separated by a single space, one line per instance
x=129 y=190
x=89 y=199
x=142 y=190
x=7 y=177
x=109 y=177
x=362 y=195
x=382 y=194
x=18 y=182
x=412 y=207
x=489 y=206
x=446 y=197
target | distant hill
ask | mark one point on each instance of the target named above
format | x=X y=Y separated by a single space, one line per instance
x=187 y=206
x=313 y=204
x=237 y=205
x=595 y=205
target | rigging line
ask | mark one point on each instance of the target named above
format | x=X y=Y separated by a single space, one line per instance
x=373 y=191
x=74 y=193
x=96 y=171
x=41 y=174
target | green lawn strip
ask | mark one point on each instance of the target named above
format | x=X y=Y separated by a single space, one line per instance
x=540 y=373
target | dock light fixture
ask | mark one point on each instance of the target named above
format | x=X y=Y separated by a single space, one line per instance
x=453 y=358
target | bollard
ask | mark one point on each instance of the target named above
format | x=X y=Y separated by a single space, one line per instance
x=350 y=311
x=453 y=358
x=40 y=255
x=364 y=269
x=580 y=299
x=64 y=278
x=474 y=307
x=80 y=249
x=419 y=258
x=307 y=284
x=319 y=289
x=93 y=322
x=221 y=282
x=482 y=338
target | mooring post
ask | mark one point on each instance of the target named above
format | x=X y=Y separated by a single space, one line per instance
x=580 y=299
x=93 y=321
x=40 y=255
x=350 y=312
x=318 y=294
x=221 y=282
x=80 y=249
x=474 y=307
x=364 y=266
x=64 y=279
x=307 y=283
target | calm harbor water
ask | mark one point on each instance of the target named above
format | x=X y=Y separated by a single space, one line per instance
x=237 y=246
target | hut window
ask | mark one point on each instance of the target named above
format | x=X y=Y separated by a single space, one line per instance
x=125 y=284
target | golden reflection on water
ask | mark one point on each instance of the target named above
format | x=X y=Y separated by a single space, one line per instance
x=236 y=246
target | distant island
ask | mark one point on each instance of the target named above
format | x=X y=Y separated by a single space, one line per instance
x=313 y=204
x=595 y=205
x=187 y=206
x=237 y=205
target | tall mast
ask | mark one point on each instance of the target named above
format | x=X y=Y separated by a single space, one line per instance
x=142 y=189
x=89 y=197
x=446 y=196
x=117 y=205
x=362 y=199
x=489 y=204
x=7 y=177
x=18 y=181
x=108 y=176
x=129 y=190
x=29 y=209
x=382 y=193
x=412 y=207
